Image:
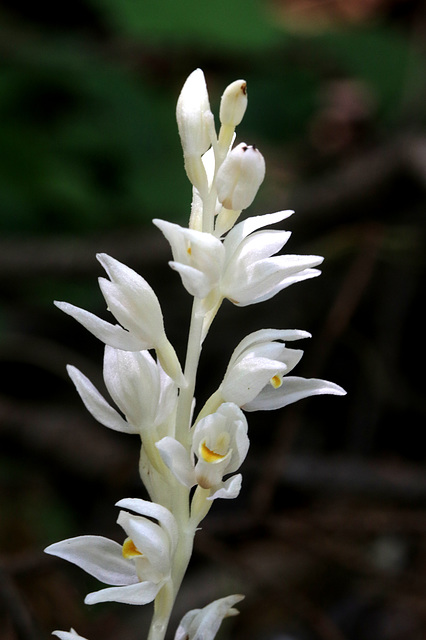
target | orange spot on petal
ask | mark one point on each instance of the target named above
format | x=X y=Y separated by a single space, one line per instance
x=276 y=381
x=130 y=550
x=209 y=455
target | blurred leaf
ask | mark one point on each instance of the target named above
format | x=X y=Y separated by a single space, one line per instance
x=240 y=24
x=86 y=143
x=382 y=56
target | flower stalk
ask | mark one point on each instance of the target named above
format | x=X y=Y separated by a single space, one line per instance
x=185 y=463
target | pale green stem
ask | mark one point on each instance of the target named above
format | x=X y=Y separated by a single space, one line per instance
x=193 y=352
x=163 y=606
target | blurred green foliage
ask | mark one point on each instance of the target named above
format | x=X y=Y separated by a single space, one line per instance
x=87 y=127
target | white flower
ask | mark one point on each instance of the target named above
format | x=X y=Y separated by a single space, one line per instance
x=140 y=388
x=134 y=304
x=239 y=268
x=137 y=569
x=251 y=275
x=240 y=176
x=198 y=257
x=256 y=377
x=203 y=624
x=219 y=444
x=68 y=635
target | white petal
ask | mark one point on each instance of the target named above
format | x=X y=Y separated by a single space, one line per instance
x=96 y=404
x=244 y=228
x=247 y=378
x=168 y=397
x=153 y=510
x=133 y=381
x=256 y=294
x=292 y=390
x=197 y=256
x=68 y=635
x=229 y=489
x=114 y=335
x=192 y=106
x=264 y=336
x=177 y=459
x=149 y=538
x=260 y=245
x=140 y=593
x=99 y=556
x=195 y=282
x=132 y=301
x=203 y=624
x=248 y=284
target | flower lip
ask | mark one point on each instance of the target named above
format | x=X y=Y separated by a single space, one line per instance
x=211 y=456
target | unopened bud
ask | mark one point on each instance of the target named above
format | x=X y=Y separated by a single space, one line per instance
x=239 y=177
x=192 y=114
x=233 y=103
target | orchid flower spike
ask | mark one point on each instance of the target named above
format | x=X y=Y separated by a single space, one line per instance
x=138 y=568
x=186 y=463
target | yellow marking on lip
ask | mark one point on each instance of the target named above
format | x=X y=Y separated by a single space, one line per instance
x=209 y=455
x=276 y=381
x=130 y=550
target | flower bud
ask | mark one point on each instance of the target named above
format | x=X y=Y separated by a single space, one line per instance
x=233 y=103
x=239 y=177
x=192 y=114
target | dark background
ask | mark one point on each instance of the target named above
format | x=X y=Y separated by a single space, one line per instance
x=327 y=539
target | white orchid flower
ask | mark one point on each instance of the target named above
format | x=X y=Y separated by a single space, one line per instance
x=134 y=304
x=203 y=624
x=68 y=635
x=198 y=257
x=241 y=268
x=140 y=388
x=256 y=377
x=251 y=275
x=140 y=567
x=219 y=447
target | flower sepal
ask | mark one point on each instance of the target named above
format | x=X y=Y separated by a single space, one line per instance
x=203 y=624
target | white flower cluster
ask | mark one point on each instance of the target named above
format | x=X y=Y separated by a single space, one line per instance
x=186 y=463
